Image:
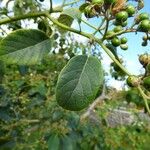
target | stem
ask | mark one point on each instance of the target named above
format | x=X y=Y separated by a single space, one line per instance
x=121 y=32
x=110 y=54
x=99 y=28
x=68 y=28
x=147 y=97
x=89 y=24
x=106 y=29
x=29 y=15
x=71 y=3
x=51 y=6
x=144 y=98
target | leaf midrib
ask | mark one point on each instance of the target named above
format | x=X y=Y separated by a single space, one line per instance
x=80 y=77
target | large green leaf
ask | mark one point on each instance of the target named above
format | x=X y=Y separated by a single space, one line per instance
x=79 y=82
x=53 y=142
x=24 y=47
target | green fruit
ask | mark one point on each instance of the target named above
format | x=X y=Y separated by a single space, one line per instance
x=130 y=9
x=144 y=59
x=146 y=82
x=145 y=38
x=124 y=46
x=118 y=29
x=110 y=33
x=122 y=16
x=116 y=23
x=42 y=26
x=116 y=67
x=133 y=96
x=89 y=13
x=144 y=43
x=124 y=40
x=97 y=2
x=148 y=68
x=115 y=41
x=133 y=81
x=144 y=26
x=56 y=35
x=123 y=24
x=143 y=16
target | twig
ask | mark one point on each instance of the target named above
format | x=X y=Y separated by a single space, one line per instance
x=51 y=6
x=94 y=104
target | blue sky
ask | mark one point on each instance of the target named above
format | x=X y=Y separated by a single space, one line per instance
x=134 y=42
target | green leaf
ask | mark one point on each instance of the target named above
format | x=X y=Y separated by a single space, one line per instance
x=66 y=20
x=83 y=6
x=53 y=142
x=67 y=143
x=67 y=17
x=24 y=47
x=75 y=13
x=2 y=71
x=79 y=82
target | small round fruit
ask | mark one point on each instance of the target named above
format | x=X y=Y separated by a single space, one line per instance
x=144 y=26
x=144 y=59
x=116 y=23
x=145 y=38
x=133 y=81
x=116 y=67
x=130 y=9
x=89 y=12
x=122 y=16
x=143 y=16
x=115 y=41
x=148 y=68
x=123 y=24
x=144 y=43
x=110 y=33
x=42 y=26
x=97 y=2
x=124 y=46
x=133 y=96
x=124 y=40
x=146 y=82
x=118 y=29
x=56 y=35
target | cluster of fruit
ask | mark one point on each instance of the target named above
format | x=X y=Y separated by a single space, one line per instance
x=134 y=81
x=143 y=22
x=96 y=7
x=145 y=61
x=145 y=40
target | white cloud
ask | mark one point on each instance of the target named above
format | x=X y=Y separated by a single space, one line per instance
x=116 y=84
